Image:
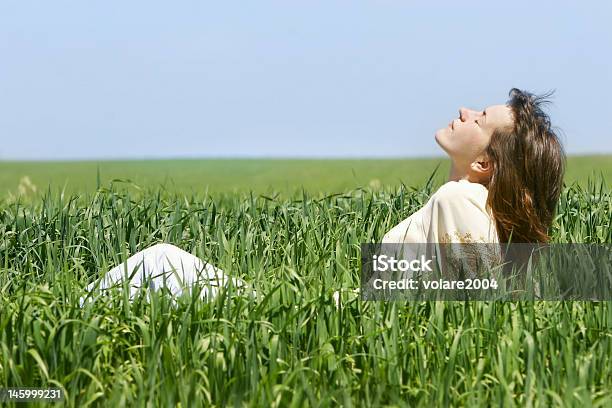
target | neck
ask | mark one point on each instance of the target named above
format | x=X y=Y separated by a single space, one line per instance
x=458 y=172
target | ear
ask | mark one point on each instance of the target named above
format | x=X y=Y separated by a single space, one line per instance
x=482 y=166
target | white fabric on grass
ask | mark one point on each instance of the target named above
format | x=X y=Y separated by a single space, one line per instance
x=165 y=265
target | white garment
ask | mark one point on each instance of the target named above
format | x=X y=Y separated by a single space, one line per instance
x=165 y=265
x=456 y=213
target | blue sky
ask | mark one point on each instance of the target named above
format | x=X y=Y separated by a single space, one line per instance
x=109 y=79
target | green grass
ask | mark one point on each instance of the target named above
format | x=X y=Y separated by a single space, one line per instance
x=262 y=176
x=291 y=346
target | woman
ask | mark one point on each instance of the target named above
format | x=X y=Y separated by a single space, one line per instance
x=507 y=167
x=506 y=176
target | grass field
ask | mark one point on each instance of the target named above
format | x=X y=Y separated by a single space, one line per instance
x=290 y=346
x=260 y=176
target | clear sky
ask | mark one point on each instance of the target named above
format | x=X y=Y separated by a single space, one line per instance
x=143 y=79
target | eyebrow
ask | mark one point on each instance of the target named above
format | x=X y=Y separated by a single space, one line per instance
x=485 y=115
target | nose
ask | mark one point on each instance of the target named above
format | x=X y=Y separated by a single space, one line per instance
x=467 y=114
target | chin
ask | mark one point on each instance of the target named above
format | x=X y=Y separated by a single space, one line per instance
x=441 y=136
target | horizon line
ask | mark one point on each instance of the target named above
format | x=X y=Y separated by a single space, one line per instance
x=246 y=158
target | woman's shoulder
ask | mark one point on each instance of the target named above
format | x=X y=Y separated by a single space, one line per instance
x=409 y=230
x=460 y=189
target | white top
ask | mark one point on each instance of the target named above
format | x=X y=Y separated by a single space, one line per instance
x=456 y=213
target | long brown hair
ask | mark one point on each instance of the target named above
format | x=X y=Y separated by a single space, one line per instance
x=527 y=175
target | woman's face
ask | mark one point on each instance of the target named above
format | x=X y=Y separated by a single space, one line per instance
x=466 y=138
